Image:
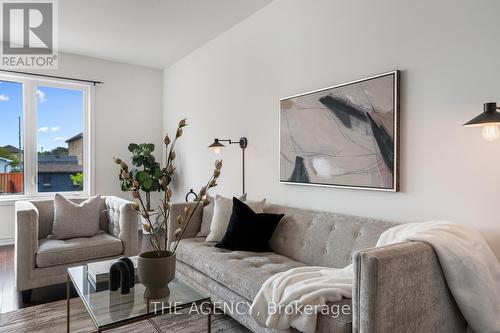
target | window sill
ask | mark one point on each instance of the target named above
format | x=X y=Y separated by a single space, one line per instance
x=11 y=199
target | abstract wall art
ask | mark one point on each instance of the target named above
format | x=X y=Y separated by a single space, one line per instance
x=342 y=136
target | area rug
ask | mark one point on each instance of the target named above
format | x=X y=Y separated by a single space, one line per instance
x=51 y=318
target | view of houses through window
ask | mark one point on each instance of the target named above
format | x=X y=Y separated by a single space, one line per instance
x=11 y=138
x=59 y=137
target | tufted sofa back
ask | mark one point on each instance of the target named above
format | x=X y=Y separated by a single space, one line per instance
x=323 y=239
x=46 y=215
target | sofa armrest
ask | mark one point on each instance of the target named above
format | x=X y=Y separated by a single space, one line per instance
x=26 y=242
x=401 y=288
x=194 y=226
x=122 y=223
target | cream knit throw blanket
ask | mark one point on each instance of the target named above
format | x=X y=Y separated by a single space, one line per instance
x=471 y=270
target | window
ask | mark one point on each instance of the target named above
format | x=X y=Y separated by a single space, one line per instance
x=45 y=137
x=11 y=155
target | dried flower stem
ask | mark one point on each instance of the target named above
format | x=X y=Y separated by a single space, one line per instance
x=166 y=200
x=148 y=218
x=129 y=182
x=189 y=220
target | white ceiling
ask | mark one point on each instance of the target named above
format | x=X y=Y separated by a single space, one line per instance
x=153 y=33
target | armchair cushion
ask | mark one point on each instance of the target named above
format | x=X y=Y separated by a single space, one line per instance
x=53 y=252
x=75 y=220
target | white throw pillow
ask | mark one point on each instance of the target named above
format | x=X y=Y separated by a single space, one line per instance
x=208 y=214
x=72 y=220
x=223 y=207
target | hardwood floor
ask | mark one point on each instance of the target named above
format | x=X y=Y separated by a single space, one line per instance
x=11 y=299
x=51 y=318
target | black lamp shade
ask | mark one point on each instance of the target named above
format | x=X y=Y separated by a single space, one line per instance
x=489 y=116
x=216 y=144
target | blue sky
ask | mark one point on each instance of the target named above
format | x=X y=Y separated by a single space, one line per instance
x=60 y=115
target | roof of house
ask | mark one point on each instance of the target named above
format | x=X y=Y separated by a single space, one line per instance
x=11 y=149
x=57 y=159
x=74 y=138
x=60 y=168
x=5 y=159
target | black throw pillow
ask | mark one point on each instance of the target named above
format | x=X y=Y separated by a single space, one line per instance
x=247 y=230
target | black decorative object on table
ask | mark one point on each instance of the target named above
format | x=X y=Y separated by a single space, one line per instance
x=189 y=193
x=122 y=274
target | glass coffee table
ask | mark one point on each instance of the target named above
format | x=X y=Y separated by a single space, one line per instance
x=110 y=309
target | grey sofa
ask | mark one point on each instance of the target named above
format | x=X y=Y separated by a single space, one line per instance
x=397 y=288
x=41 y=262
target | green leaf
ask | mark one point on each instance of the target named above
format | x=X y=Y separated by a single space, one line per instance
x=138 y=160
x=157 y=173
x=124 y=186
x=148 y=184
x=149 y=146
x=142 y=176
x=154 y=186
x=132 y=147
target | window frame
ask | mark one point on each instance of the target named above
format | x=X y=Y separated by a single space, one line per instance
x=30 y=135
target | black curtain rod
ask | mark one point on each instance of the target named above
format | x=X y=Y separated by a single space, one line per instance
x=53 y=76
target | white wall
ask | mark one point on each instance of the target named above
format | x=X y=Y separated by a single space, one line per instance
x=127 y=109
x=448 y=52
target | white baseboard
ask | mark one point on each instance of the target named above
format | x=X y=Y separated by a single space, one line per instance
x=6 y=241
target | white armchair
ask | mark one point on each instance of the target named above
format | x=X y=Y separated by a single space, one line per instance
x=41 y=262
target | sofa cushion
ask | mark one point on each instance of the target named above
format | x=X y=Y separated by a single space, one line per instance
x=206 y=220
x=247 y=230
x=222 y=213
x=338 y=320
x=241 y=271
x=53 y=252
x=208 y=214
x=323 y=239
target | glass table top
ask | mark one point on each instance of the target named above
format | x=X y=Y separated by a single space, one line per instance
x=111 y=307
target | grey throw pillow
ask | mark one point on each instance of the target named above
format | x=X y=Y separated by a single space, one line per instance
x=208 y=214
x=73 y=220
